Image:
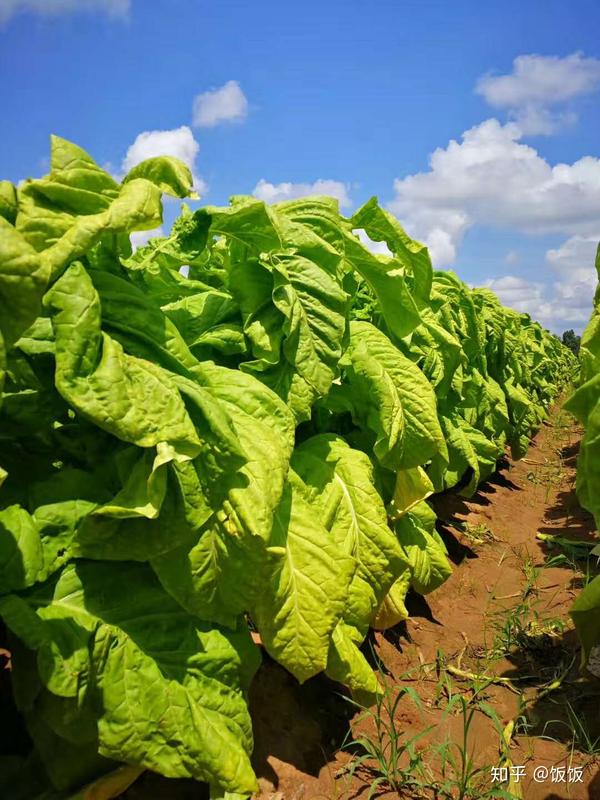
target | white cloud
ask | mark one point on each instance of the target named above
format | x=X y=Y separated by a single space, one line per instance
x=512 y=257
x=557 y=307
x=536 y=85
x=573 y=263
x=276 y=192
x=226 y=104
x=536 y=121
x=562 y=303
x=492 y=178
x=518 y=293
x=114 y=8
x=575 y=258
x=179 y=142
x=570 y=303
x=140 y=238
x=541 y=80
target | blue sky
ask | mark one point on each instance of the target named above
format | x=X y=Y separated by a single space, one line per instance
x=354 y=95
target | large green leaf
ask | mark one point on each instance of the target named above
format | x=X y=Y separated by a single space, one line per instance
x=34 y=546
x=197 y=316
x=423 y=548
x=389 y=395
x=21 y=554
x=302 y=313
x=169 y=692
x=8 y=201
x=468 y=449
x=170 y=175
x=387 y=281
x=380 y=226
x=347 y=665
x=588 y=474
x=126 y=396
x=218 y=573
x=23 y=278
x=303 y=595
x=392 y=609
x=340 y=485
x=142 y=328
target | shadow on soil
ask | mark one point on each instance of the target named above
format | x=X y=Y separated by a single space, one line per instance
x=571 y=713
x=457 y=550
x=450 y=507
x=566 y=517
x=301 y=725
x=499 y=478
x=569 y=454
x=417 y=606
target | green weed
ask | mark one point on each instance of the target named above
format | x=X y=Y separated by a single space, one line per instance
x=385 y=757
x=388 y=759
x=581 y=738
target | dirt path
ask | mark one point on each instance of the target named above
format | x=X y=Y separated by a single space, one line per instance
x=504 y=612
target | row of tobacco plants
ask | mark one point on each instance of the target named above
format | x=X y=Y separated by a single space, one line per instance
x=585 y=405
x=248 y=443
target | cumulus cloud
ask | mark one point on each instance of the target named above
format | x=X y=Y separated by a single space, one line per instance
x=114 y=8
x=575 y=258
x=536 y=85
x=566 y=301
x=557 y=307
x=517 y=293
x=179 y=142
x=573 y=263
x=570 y=304
x=492 y=178
x=541 y=79
x=276 y=192
x=226 y=104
